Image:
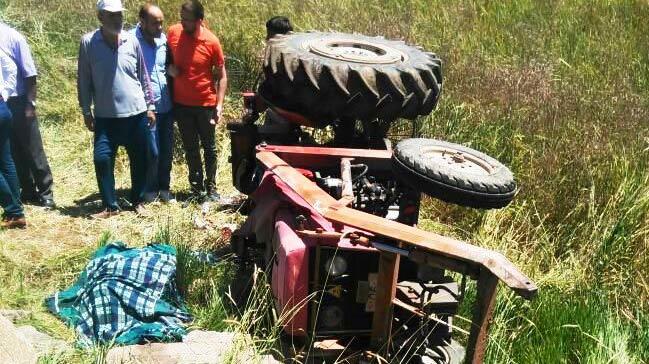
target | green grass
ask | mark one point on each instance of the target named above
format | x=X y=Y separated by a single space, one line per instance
x=557 y=90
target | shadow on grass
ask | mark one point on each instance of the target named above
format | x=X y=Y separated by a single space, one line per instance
x=91 y=204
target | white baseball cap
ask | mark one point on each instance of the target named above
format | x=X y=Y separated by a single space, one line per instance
x=112 y=6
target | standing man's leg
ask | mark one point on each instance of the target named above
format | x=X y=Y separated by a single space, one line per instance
x=19 y=151
x=137 y=132
x=165 y=126
x=13 y=215
x=207 y=133
x=104 y=159
x=32 y=165
x=152 y=163
x=188 y=127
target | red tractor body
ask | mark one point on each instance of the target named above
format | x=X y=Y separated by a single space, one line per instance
x=334 y=221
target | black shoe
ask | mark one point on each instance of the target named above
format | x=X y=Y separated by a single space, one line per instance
x=167 y=197
x=48 y=203
x=213 y=196
x=150 y=197
x=195 y=197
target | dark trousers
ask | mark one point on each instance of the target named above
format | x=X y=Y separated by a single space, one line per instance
x=194 y=125
x=9 y=189
x=110 y=133
x=33 y=169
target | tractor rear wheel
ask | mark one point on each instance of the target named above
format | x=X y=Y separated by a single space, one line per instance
x=329 y=77
x=453 y=173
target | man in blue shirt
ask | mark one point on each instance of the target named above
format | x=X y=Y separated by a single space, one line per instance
x=33 y=170
x=154 y=47
x=112 y=76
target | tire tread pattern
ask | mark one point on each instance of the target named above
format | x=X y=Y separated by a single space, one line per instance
x=493 y=190
x=325 y=89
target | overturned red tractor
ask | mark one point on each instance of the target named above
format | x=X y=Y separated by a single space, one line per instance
x=334 y=213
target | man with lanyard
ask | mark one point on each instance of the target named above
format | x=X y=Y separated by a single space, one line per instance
x=160 y=152
x=199 y=86
x=33 y=169
x=112 y=76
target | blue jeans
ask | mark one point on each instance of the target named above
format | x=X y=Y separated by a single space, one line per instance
x=160 y=153
x=110 y=133
x=9 y=188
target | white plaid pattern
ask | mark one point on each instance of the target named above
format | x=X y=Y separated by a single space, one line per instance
x=120 y=295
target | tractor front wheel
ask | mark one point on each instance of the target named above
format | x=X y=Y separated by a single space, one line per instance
x=453 y=173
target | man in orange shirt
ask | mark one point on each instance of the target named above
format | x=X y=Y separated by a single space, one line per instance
x=199 y=85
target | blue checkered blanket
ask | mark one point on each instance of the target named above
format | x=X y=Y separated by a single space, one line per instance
x=124 y=296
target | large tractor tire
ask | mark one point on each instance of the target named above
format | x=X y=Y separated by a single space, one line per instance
x=329 y=77
x=453 y=173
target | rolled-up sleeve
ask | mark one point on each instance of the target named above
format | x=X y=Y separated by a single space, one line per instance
x=144 y=78
x=84 y=79
x=27 y=65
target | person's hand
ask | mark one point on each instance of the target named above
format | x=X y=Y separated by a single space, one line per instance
x=89 y=121
x=150 y=115
x=173 y=70
x=30 y=112
x=218 y=112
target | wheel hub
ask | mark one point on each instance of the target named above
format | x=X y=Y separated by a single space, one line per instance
x=457 y=159
x=356 y=51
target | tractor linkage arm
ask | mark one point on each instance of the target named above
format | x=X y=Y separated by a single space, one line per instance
x=397 y=239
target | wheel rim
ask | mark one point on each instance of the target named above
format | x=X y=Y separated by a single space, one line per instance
x=458 y=160
x=351 y=50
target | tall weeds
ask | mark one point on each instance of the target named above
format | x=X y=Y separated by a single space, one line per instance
x=557 y=90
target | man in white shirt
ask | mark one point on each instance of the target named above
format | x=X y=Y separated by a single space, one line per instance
x=34 y=173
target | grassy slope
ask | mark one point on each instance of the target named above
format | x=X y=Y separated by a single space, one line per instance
x=555 y=89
